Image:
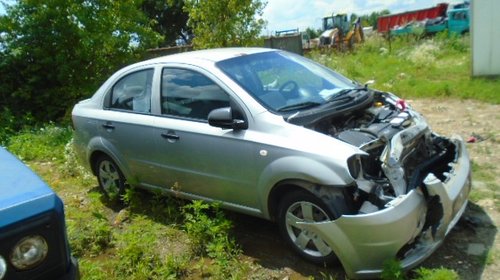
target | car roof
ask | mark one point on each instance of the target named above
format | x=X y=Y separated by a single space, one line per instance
x=213 y=55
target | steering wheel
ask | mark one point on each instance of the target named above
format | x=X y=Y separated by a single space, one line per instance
x=289 y=87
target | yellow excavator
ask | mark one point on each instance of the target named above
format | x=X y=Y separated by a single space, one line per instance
x=338 y=33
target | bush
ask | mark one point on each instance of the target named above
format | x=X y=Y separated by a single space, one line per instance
x=10 y=124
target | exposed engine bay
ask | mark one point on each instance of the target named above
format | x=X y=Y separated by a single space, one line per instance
x=400 y=150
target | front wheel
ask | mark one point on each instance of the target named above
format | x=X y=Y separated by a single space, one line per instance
x=296 y=208
x=110 y=177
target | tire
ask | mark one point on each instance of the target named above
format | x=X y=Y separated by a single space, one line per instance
x=110 y=178
x=306 y=243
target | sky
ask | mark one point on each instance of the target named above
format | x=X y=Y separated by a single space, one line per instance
x=291 y=14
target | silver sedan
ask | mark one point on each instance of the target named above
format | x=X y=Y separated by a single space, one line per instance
x=348 y=173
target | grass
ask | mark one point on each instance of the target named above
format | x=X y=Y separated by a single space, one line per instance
x=435 y=67
x=157 y=237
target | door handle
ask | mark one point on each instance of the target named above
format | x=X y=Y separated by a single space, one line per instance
x=170 y=136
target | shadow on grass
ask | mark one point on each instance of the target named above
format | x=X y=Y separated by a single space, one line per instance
x=262 y=243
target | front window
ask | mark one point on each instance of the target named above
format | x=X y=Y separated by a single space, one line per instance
x=189 y=94
x=284 y=82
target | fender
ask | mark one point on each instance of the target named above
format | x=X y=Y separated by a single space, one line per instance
x=299 y=168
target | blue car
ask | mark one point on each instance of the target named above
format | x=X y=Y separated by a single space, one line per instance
x=33 y=242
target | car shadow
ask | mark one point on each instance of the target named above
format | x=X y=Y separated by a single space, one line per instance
x=259 y=239
x=261 y=242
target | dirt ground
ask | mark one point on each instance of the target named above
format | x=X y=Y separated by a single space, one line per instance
x=472 y=247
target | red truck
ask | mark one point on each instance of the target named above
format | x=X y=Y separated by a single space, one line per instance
x=388 y=22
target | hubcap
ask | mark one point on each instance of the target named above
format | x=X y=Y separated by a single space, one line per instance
x=109 y=177
x=307 y=240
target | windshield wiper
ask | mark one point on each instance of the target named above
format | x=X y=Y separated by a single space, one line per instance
x=342 y=94
x=298 y=106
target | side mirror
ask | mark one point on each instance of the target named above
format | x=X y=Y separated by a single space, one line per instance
x=223 y=118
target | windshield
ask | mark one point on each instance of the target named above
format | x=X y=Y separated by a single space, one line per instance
x=285 y=82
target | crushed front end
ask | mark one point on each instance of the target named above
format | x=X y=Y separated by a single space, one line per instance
x=411 y=187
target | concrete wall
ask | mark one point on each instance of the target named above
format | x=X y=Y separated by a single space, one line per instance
x=485 y=36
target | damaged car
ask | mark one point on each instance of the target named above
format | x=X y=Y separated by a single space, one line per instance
x=349 y=173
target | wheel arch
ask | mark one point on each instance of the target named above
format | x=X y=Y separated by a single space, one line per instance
x=337 y=198
x=298 y=172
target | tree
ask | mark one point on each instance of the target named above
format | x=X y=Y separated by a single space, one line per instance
x=168 y=19
x=313 y=33
x=372 y=19
x=224 y=23
x=55 y=52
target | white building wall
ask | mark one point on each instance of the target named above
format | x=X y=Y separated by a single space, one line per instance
x=485 y=36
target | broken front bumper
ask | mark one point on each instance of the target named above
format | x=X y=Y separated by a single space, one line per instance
x=363 y=242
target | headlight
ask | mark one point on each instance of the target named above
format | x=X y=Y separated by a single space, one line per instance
x=3 y=267
x=29 y=252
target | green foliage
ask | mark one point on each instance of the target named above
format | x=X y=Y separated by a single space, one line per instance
x=435 y=274
x=138 y=258
x=432 y=67
x=72 y=166
x=160 y=207
x=89 y=234
x=208 y=231
x=313 y=33
x=10 y=124
x=225 y=23
x=392 y=270
x=168 y=19
x=42 y=144
x=371 y=19
x=56 y=52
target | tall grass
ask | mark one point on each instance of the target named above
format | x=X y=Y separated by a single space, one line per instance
x=438 y=66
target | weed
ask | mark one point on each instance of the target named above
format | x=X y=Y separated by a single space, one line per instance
x=71 y=166
x=92 y=270
x=161 y=208
x=435 y=274
x=42 y=144
x=208 y=230
x=392 y=270
x=490 y=257
x=89 y=235
x=137 y=246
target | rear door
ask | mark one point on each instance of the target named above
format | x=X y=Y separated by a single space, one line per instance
x=127 y=125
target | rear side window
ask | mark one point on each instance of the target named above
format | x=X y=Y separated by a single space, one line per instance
x=133 y=92
x=189 y=94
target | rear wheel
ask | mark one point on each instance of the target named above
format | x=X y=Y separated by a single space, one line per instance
x=110 y=177
x=299 y=207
